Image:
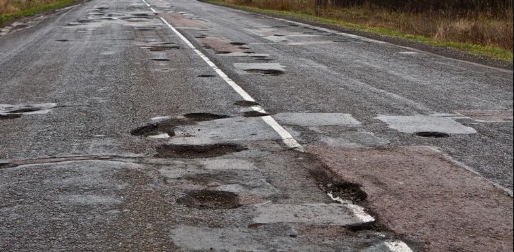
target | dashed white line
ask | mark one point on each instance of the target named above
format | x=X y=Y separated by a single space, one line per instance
x=287 y=138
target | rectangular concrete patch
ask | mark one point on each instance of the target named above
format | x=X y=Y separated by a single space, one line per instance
x=421 y=123
x=314 y=214
x=316 y=119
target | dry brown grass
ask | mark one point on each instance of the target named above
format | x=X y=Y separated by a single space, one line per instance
x=12 y=6
x=482 y=27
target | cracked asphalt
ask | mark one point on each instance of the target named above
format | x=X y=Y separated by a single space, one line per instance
x=162 y=125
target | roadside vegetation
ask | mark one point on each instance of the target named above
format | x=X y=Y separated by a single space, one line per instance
x=483 y=27
x=10 y=9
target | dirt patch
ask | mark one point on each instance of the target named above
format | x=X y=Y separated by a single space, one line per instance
x=255 y=114
x=431 y=134
x=9 y=117
x=207 y=199
x=246 y=103
x=197 y=151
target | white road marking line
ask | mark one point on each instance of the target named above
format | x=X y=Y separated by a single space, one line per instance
x=397 y=246
x=358 y=211
x=287 y=138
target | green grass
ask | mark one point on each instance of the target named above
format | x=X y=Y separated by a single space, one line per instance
x=487 y=51
x=35 y=10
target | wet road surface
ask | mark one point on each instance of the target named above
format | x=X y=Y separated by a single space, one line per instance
x=162 y=125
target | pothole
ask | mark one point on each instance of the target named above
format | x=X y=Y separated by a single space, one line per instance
x=207 y=199
x=204 y=116
x=432 y=134
x=62 y=40
x=9 y=117
x=246 y=103
x=266 y=71
x=161 y=48
x=155 y=129
x=166 y=125
x=348 y=191
x=8 y=110
x=25 y=110
x=197 y=151
x=255 y=114
x=7 y=165
x=238 y=43
x=338 y=188
x=262 y=68
x=206 y=76
x=161 y=60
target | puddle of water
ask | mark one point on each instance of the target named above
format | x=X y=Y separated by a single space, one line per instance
x=197 y=151
x=207 y=199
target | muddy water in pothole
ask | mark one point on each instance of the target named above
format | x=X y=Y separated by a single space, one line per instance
x=197 y=151
x=207 y=199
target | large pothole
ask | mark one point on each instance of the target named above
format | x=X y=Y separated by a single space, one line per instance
x=207 y=199
x=197 y=151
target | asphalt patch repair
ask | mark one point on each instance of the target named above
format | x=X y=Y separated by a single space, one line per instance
x=426 y=198
x=197 y=151
x=207 y=199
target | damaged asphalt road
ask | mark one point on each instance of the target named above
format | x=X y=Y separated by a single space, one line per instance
x=162 y=125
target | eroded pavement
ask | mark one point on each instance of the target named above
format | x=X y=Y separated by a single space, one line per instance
x=162 y=125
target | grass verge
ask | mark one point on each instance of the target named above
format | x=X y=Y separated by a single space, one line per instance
x=35 y=10
x=487 y=51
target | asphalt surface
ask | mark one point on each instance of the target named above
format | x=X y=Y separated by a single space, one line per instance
x=115 y=135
